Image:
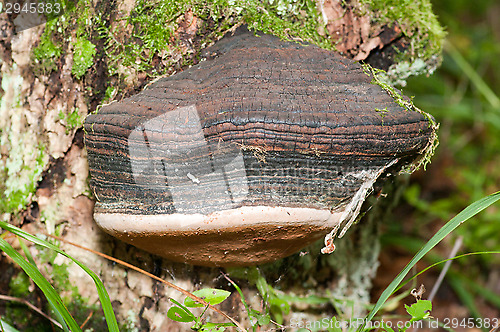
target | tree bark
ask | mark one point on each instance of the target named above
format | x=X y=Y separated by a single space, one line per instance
x=49 y=85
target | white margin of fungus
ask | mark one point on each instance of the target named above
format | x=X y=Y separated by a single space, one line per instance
x=352 y=209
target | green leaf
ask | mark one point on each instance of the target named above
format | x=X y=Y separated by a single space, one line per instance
x=211 y=295
x=466 y=214
x=178 y=314
x=4 y=327
x=27 y=253
x=101 y=290
x=47 y=53
x=37 y=277
x=419 y=310
x=181 y=313
x=334 y=325
x=387 y=328
x=263 y=319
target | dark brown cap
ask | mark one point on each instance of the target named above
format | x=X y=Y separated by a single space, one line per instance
x=248 y=156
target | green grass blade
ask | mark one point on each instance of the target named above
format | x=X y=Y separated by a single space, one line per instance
x=466 y=214
x=37 y=277
x=27 y=253
x=450 y=259
x=59 y=318
x=4 y=327
x=473 y=76
x=101 y=290
x=243 y=300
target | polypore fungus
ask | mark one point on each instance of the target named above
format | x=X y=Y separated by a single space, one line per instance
x=248 y=156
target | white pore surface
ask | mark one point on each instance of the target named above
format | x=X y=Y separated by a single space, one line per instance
x=246 y=216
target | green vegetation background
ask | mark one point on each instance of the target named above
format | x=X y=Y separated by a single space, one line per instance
x=463 y=96
x=467 y=162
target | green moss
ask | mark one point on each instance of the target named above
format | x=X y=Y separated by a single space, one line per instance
x=72 y=120
x=47 y=53
x=83 y=56
x=147 y=39
x=297 y=20
x=417 y=21
x=19 y=285
x=110 y=93
x=408 y=105
x=382 y=112
x=57 y=35
x=154 y=25
x=16 y=315
x=426 y=36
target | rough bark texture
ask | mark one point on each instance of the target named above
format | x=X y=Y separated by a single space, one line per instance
x=44 y=170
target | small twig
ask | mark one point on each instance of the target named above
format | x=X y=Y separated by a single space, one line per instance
x=453 y=253
x=31 y=306
x=169 y=284
x=238 y=289
x=87 y=319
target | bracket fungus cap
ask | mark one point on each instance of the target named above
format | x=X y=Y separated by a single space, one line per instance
x=249 y=156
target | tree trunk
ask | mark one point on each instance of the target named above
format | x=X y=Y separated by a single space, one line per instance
x=56 y=73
